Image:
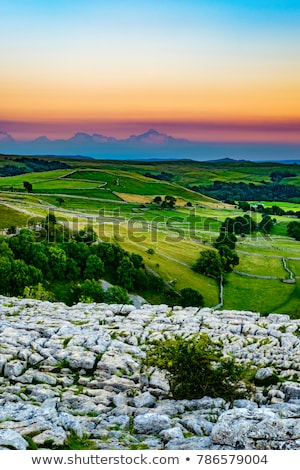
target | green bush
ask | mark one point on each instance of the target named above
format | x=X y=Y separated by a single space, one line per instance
x=116 y=295
x=191 y=298
x=196 y=367
x=91 y=291
x=38 y=292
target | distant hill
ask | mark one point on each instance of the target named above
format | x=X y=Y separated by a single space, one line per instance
x=227 y=160
x=151 y=144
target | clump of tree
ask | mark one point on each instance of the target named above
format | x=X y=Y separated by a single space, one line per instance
x=35 y=164
x=86 y=235
x=244 y=206
x=38 y=292
x=12 y=170
x=162 y=176
x=225 y=191
x=196 y=367
x=274 y=210
x=30 y=165
x=30 y=263
x=225 y=238
x=244 y=225
x=277 y=176
x=92 y=291
x=239 y=225
x=52 y=231
x=209 y=264
x=168 y=202
x=191 y=298
x=293 y=230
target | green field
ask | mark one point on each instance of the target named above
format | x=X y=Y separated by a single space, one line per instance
x=120 y=182
x=262 y=295
x=116 y=197
x=261 y=266
x=17 y=181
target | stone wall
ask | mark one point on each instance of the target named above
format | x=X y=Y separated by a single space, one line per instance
x=78 y=371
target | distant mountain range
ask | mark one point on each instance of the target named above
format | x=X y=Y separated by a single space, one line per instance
x=150 y=145
x=151 y=137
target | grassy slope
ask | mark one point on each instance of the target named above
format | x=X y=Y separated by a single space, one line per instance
x=9 y=217
x=260 y=295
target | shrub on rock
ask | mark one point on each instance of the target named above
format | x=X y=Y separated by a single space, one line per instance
x=196 y=367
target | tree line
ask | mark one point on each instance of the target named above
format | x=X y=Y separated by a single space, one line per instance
x=232 y=192
x=30 y=165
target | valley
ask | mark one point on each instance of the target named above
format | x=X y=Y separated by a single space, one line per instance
x=125 y=204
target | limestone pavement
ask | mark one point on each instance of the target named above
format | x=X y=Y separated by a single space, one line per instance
x=78 y=371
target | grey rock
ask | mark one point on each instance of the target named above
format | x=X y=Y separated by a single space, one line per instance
x=264 y=373
x=121 y=421
x=151 y=423
x=14 y=368
x=192 y=443
x=12 y=440
x=255 y=429
x=44 y=378
x=201 y=427
x=80 y=359
x=159 y=381
x=70 y=423
x=171 y=434
x=144 y=400
x=242 y=403
x=291 y=391
x=55 y=436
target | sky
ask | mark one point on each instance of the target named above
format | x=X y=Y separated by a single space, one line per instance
x=208 y=71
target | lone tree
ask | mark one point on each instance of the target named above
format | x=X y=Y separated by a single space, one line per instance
x=169 y=202
x=215 y=263
x=209 y=263
x=157 y=200
x=27 y=186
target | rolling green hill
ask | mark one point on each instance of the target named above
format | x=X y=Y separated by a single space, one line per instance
x=116 y=198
